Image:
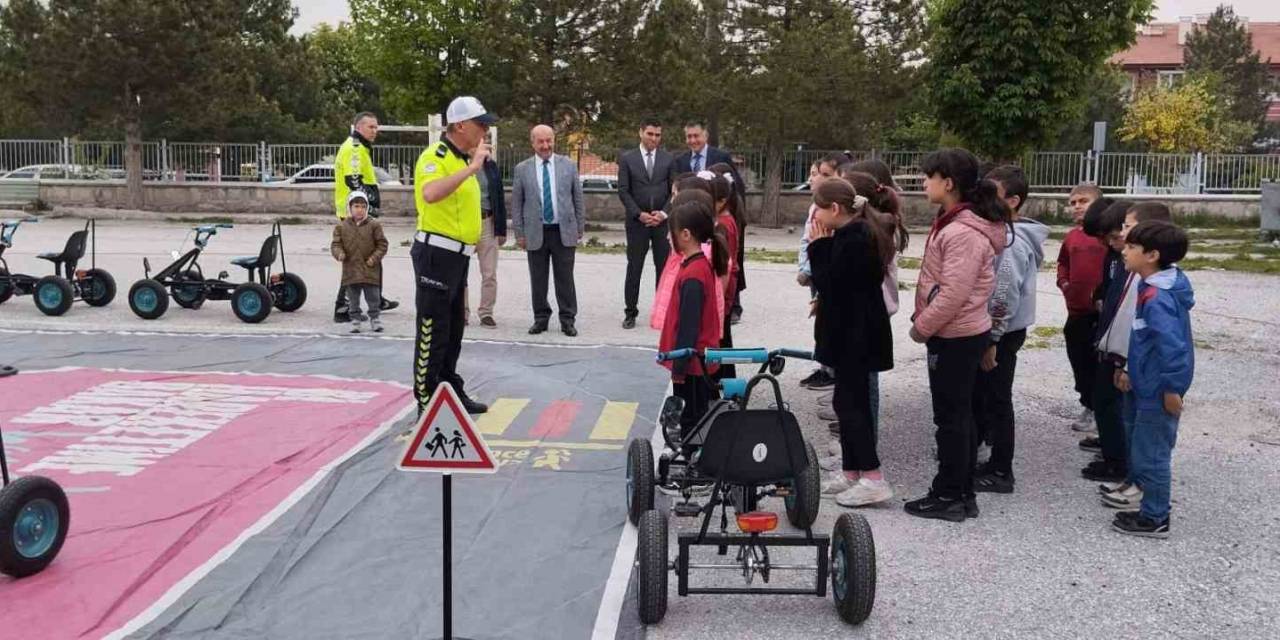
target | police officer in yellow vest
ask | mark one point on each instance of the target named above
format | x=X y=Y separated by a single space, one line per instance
x=447 y=196
x=353 y=170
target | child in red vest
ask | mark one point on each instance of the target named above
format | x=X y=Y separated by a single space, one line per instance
x=692 y=319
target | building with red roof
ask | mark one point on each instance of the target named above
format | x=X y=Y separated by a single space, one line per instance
x=1157 y=56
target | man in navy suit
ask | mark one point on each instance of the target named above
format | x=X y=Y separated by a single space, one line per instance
x=700 y=156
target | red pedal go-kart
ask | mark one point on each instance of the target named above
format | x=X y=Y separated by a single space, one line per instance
x=736 y=456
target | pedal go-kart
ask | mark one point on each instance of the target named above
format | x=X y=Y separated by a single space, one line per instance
x=34 y=516
x=251 y=301
x=736 y=456
x=55 y=293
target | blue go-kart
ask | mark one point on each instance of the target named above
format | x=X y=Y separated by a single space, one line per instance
x=734 y=457
x=251 y=301
x=54 y=294
x=34 y=516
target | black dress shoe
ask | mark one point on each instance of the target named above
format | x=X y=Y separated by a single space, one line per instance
x=471 y=406
x=629 y=322
x=538 y=327
x=388 y=305
x=569 y=330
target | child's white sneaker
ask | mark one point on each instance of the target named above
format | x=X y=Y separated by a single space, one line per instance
x=834 y=448
x=865 y=492
x=837 y=482
x=375 y=324
x=1126 y=497
x=355 y=326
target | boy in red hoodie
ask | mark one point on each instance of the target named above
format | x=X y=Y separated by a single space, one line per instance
x=1079 y=274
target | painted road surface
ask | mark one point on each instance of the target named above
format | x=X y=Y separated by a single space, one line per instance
x=245 y=487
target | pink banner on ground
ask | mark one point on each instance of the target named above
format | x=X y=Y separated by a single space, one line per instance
x=166 y=474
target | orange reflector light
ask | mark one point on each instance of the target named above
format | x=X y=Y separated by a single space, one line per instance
x=757 y=521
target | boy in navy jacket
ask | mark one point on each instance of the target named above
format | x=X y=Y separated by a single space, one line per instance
x=1160 y=367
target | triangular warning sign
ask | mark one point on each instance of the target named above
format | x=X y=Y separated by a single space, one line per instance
x=446 y=440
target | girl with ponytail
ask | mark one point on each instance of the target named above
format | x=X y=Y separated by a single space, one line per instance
x=848 y=251
x=956 y=279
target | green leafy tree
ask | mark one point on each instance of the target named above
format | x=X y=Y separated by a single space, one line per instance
x=1184 y=119
x=1223 y=47
x=1107 y=98
x=1005 y=74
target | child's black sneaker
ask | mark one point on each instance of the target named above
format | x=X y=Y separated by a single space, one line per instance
x=988 y=480
x=971 y=506
x=818 y=380
x=1103 y=471
x=1092 y=444
x=1136 y=524
x=937 y=507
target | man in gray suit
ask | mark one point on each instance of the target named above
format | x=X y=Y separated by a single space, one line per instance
x=549 y=218
x=644 y=184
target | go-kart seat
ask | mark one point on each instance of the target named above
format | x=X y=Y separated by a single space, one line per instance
x=71 y=254
x=753 y=447
x=264 y=258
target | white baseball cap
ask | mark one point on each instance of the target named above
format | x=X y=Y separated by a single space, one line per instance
x=468 y=108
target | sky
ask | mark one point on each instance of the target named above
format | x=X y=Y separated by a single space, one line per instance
x=312 y=12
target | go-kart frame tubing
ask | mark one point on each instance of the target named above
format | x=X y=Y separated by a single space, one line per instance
x=4 y=460
x=822 y=543
x=22 y=284
x=189 y=259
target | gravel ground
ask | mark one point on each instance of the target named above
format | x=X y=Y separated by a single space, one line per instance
x=1039 y=563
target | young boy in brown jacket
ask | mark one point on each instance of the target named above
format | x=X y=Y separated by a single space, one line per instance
x=359 y=244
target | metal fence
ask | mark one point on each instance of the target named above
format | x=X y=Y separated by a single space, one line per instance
x=1047 y=171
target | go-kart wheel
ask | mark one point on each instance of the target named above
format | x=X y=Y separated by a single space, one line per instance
x=97 y=288
x=251 y=302
x=188 y=290
x=53 y=295
x=639 y=479
x=33 y=525
x=148 y=299
x=853 y=568
x=806 y=493
x=651 y=553
x=290 y=292
x=6 y=289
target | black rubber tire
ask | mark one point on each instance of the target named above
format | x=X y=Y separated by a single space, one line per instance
x=639 y=479
x=6 y=290
x=852 y=538
x=13 y=499
x=98 y=288
x=161 y=297
x=291 y=293
x=188 y=296
x=806 y=493
x=8 y=370
x=243 y=306
x=651 y=556
x=67 y=295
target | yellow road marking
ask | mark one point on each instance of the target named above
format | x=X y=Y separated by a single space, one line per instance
x=615 y=421
x=501 y=414
x=552 y=444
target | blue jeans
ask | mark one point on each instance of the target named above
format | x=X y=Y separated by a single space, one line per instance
x=1152 y=436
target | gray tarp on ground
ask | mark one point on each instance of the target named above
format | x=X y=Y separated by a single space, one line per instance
x=360 y=556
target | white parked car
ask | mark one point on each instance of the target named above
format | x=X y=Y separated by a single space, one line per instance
x=57 y=172
x=598 y=182
x=323 y=174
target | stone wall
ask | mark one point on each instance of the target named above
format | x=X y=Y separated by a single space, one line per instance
x=602 y=206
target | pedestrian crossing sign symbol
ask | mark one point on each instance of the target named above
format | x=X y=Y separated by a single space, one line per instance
x=446 y=440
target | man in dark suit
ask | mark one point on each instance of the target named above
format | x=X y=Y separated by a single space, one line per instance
x=700 y=156
x=644 y=184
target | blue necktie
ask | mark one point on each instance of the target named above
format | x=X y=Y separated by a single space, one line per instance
x=548 y=212
x=697 y=162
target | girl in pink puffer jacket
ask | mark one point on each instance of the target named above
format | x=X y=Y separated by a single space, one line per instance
x=956 y=280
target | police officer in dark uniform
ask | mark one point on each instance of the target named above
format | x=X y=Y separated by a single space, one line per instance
x=447 y=196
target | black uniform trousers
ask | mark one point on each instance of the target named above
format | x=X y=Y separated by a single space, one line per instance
x=1078 y=333
x=440 y=276
x=639 y=239
x=993 y=403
